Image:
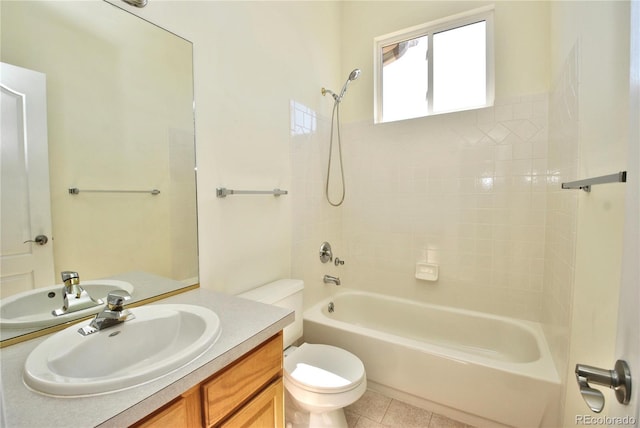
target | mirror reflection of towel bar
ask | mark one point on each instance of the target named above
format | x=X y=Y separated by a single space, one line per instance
x=75 y=191
x=222 y=192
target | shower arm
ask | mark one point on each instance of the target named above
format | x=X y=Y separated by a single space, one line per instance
x=335 y=96
x=355 y=73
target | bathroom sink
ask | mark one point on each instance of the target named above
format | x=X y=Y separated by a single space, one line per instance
x=33 y=308
x=160 y=339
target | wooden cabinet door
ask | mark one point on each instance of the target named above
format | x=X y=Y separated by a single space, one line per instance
x=184 y=412
x=228 y=390
x=266 y=410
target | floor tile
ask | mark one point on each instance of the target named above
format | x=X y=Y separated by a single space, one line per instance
x=373 y=405
x=375 y=410
x=368 y=423
x=401 y=414
x=352 y=418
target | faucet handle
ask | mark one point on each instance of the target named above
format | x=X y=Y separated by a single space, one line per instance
x=116 y=299
x=70 y=276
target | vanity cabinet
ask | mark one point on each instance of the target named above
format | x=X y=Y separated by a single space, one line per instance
x=265 y=410
x=184 y=411
x=247 y=393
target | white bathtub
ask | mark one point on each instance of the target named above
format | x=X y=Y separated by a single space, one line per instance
x=493 y=367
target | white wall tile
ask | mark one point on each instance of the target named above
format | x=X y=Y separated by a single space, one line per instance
x=457 y=190
x=560 y=221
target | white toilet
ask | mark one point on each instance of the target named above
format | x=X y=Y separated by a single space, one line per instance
x=319 y=380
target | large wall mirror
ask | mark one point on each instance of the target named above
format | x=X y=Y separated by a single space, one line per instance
x=119 y=118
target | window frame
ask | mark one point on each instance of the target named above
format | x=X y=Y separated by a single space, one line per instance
x=452 y=22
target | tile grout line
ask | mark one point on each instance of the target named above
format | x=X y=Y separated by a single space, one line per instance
x=430 y=418
x=386 y=410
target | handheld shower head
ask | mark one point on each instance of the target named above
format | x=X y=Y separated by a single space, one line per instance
x=355 y=74
x=352 y=76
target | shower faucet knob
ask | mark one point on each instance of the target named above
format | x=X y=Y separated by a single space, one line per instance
x=326 y=255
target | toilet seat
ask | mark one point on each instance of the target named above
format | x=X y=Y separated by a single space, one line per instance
x=323 y=369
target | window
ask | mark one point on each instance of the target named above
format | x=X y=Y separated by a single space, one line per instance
x=438 y=67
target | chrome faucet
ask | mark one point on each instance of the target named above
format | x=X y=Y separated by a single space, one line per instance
x=328 y=279
x=112 y=314
x=71 y=281
x=75 y=298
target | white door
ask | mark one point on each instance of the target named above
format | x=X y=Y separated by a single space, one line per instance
x=628 y=341
x=25 y=211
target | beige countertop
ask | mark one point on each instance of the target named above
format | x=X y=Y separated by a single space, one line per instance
x=245 y=324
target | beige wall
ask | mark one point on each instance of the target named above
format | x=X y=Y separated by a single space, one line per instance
x=313 y=45
x=521 y=43
x=603 y=70
x=562 y=206
x=244 y=140
x=411 y=185
x=109 y=128
x=463 y=190
x=251 y=60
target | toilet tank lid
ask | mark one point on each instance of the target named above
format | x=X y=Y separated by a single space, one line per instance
x=274 y=291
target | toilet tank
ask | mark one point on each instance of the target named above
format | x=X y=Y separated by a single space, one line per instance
x=286 y=293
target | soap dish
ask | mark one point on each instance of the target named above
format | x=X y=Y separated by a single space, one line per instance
x=427 y=271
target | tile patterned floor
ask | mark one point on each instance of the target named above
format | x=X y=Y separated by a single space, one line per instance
x=375 y=410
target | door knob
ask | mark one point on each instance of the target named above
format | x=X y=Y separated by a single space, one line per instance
x=618 y=379
x=40 y=240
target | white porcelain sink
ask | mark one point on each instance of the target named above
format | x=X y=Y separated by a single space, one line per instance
x=160 y=339
x=33 y=308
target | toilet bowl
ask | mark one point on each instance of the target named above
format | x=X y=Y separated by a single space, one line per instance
x=319 y=380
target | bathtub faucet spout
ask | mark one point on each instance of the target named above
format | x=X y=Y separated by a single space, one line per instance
x=328 y=279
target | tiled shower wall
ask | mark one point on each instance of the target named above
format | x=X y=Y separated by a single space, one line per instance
x=466 y=191
x=314 y=220
x=562 y=205
x=476 y=192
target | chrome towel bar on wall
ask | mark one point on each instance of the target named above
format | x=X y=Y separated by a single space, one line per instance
x=620 y=177
x=223 y=192
x=76 y=191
